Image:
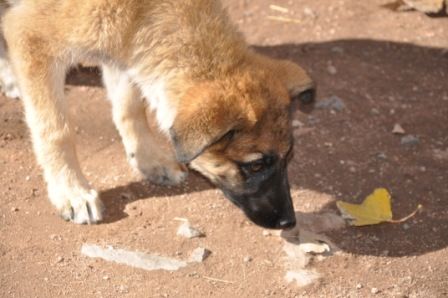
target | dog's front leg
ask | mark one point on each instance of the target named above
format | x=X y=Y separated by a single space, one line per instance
x=41 y=75
x=144 y=155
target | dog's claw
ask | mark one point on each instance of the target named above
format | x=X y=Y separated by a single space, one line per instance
x=87 y=209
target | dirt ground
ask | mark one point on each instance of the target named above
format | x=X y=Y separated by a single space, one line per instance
x=387 y=67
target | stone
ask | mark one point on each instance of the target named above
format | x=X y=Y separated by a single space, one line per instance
x=59 y=259
x=410 y=140
x=331 y=69
x=398 y=130
x=381 y=155
x=374 y=291
x=331 y=103
x=296 y=123
x=187 y=231
x=199 y=255
x=310 y=13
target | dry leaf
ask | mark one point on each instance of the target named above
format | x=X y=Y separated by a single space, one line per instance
x=375 y=209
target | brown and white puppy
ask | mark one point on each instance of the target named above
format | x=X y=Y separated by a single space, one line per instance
x=226 y=109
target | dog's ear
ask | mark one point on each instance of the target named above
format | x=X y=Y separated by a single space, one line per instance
x=203 y=118
x=300 y=86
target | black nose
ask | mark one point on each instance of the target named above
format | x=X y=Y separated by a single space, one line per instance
x=287 y=223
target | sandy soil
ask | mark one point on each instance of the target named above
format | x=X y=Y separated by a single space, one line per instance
x=387 y=67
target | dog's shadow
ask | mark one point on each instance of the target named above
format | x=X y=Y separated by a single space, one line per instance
x=116 y=199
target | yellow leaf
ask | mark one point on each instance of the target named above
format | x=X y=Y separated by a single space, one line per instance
x=375 y=209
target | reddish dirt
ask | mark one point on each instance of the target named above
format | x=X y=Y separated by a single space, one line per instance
x=391 y=67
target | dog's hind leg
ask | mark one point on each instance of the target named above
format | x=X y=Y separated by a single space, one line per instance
x=40 y=69
x=129 y=114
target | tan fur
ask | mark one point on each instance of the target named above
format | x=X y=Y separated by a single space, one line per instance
x=184 y=56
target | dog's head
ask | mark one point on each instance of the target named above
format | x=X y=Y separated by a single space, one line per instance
x=237 y=132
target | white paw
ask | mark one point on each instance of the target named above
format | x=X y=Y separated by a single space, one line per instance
x=11 y=91
x=8 y=83
x=163 y=171
x=79 y=206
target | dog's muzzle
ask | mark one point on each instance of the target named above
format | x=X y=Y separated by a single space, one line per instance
x=271 y=205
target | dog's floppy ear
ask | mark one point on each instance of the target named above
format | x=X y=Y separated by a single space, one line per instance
x=202 y=119
x=300 y=86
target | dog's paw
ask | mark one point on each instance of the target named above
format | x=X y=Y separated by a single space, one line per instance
x=8 y=84
x=10 y=91
x=162 y=171
x=166 y=175
x=80 y=207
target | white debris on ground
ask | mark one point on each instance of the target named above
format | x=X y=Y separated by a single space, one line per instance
x=199 y=255
x=142 y=260
x=187 y=231
x=304 y=243
x=132 y=258
x=302 y=277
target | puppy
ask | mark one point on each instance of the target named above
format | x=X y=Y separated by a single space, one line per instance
x=226 y=109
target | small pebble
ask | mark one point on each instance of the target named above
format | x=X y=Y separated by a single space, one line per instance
x=381 y=156
x=398 y=130
x=199 y=255
x=309 y=12
x=337 y=50
x=410 y=140
x=123 y=289
x=296 y=123
x=14 y=209
x=55 y=237
x=60 y=259
x=331 y=69
x=187 y=231
x=374 y=291
x=247 y=259
x=332 y=103
x=359 y=286
x=105 y=277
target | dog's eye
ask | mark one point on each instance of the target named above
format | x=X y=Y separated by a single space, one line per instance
x=256 y=166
